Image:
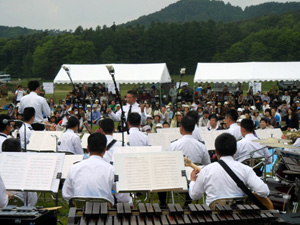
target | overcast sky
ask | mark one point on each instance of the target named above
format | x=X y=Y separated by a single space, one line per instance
x=68 y=14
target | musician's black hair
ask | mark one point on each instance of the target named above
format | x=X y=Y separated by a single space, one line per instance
x=97 y=142
x=194 y=115
x=2 y=124
x=28 y=113
x=188 y=124
x=225 y=144
x=72 y=122
x=132 y=92
x=107 y=125
x=33 y=85
x=248 y=125
x=134 y=119
x=213 y=116
x=11 y=145
x=232 y=114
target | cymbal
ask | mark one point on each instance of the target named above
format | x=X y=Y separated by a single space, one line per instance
x=291 y=172
x=279 y=145
x=272 y=140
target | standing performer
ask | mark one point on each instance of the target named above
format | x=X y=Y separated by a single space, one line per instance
x=4 y=129
x=37 y=102
x=130 y=107
x=234 y=129
x=28 y=115
x=136 y=137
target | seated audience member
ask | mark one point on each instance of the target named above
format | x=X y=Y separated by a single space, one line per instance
x=13 y=145
x=264 y=124
x=203 y=122
x=213 y=123
x=234 y=129
x=136 y=137
x=166 y=125
x=93 y=177
x=107 y=127
x=4 y=129
x=191 y=148
x=70 y=141
x=28 y=115
x=246 y=146
x=217 y=183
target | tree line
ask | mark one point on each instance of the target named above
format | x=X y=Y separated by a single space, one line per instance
x=270 y=38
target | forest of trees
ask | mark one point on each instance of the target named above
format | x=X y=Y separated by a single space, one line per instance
x=270 y=38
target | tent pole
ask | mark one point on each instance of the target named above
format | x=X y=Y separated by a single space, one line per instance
x=160 y=94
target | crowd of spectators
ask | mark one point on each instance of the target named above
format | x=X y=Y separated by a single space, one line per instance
x=270 y=109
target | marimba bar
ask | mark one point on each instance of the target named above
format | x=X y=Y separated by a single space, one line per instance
x=96 y=213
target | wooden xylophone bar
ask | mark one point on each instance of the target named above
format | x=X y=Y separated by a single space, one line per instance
x=96 y=213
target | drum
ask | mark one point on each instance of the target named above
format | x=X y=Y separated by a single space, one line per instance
x=282 y=172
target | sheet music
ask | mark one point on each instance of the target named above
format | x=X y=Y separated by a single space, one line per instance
x=43 y=140
x=84 y=142
x=168 y=130
x=31 y=171
x=290 y=159
x=163 y=139
x=69 y=162
x=268 y=133
x=156 y=171
x=209 y=138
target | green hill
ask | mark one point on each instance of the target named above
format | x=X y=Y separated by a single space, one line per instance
x=203 y=10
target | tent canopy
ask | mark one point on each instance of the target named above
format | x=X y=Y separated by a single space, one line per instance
x=124 y=73
x=247 y=72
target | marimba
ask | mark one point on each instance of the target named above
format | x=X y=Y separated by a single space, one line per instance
x=96 y=213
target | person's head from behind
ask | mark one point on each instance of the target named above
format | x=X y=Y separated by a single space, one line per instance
x=225 y=145
x=134 y=120
x=194 y=115
x=231 y=117
x=107 y=126
x=5 y=124
x=72 y=123
x=11 y=145
x=97 y=144
x=29 y=114
x=33 y=85
x=247 y=127
x=187 y=125
x=131 y=97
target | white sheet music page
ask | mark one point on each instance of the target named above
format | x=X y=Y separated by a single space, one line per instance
x=157 y=171
x=84 y=142
x=43 y=140
x=209 y=138
x=58 y=170
x=118 y=137
x=69 y=162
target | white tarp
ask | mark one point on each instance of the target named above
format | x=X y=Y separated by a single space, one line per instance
x=247 y=72
x=124 y=73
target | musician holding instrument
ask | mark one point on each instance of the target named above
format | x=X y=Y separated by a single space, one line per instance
x=216 y=182
x=136 y=137
x=93 y=177
x=37 y=102
x=246 y=148
x=70 y=141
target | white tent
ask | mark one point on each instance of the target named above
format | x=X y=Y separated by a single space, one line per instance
x=124 y=73
x=247 y=72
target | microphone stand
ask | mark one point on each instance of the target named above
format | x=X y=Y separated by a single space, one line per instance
x=123 y=120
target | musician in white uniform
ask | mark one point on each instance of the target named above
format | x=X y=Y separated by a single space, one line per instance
x=4 y=128
x=3 y=194
x=28 y=115
x=215 y=181
x=130 y=107
x=37 y=102
x=234 y=129
x=70 y=141
x=197 y=130
x=191 y=148
x=246 y=148
x=107 y=127
x=93 y=177
x=136 y=137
